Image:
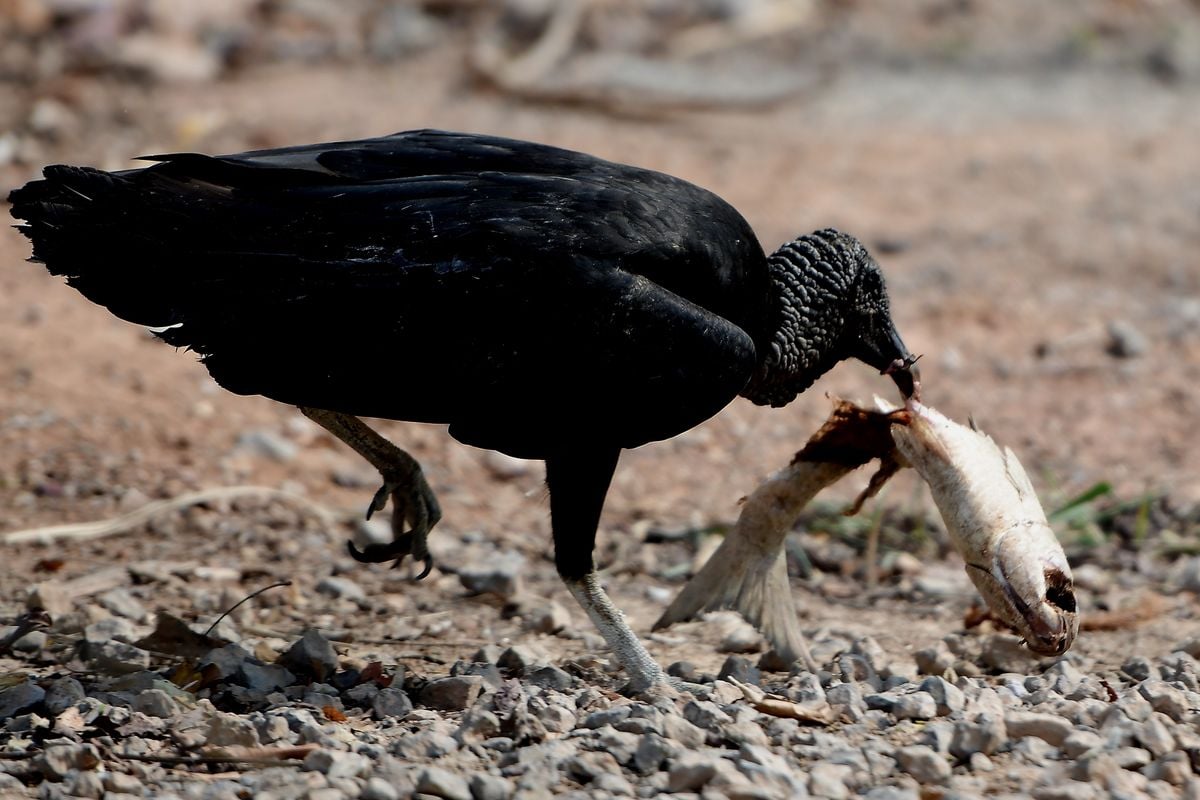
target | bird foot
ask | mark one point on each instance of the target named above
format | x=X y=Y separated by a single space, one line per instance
x=413 y=505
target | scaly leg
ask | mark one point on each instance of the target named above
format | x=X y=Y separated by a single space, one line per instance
x=413 y=502
x=578 y=479
x=644 y=672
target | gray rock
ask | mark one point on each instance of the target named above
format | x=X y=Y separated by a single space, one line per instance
x=923 y=764
x=621 y=745
x=1006 y=654
x=846 y=694
x=1072 y=791
x=829 y=781
x=938 y=736
x=1131 y=757
x=948 y=697
x=228 y=660
x=22 y=697
x=311 y=655
x=985 y=733
x=518 y=660
x=852 y=668
x=424 y=745
x=551 y=677
x=1140 y=669
x=934 y=660
x=443 y=783
x=477 y=725
x=266 y=678
x=489 y=787
x=155 y=703
x=917 y=705
x=1174 y=768
x=266 y=443
x=606 y=716
x=1095 y=767
x=1033 y=751
x=63 y=693
x=1163 y=698
x=705 y=714
x=745 y=732
x=652 y=751
x=892 y=793
x=123 y=604
x=452 y=694
x=549 y=619
x=377 y=788
x=344 y=588
x=115 y=658
x=978 y=762
x=586 y=767
x=226 y=730
x=740 y=669
x=882 y=701
x=767 y=771
x=554 y=717
x=1124 y=340
x=612 y=782
x=83 y=783
x=119 y=782
x=500 y=575
x=682 y=731
x=59 y=759
x=1047 y=727
x=743 y=638
x=391 y=703
x=1080 y=742
x=691 y=772
x=1154 y=735
x=337 y=764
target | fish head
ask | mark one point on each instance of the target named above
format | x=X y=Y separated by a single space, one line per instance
x=1030 y=588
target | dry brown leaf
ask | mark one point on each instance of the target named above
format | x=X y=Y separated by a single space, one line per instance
x=172 y=635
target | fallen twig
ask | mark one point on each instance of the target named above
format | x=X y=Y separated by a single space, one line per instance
x=1147 y=608
x=776 y=706
x=82 y=531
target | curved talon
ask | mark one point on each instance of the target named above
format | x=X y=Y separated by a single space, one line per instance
x=414 y=504
x=378 y=553
x=425 y=572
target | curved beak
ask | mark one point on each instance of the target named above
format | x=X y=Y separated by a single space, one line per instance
x=885 y=350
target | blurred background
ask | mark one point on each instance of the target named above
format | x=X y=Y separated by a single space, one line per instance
x=1027 y=173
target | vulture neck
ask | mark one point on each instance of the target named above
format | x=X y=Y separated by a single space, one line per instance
x=812 y=279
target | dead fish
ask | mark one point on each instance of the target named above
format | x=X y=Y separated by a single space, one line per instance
x=997 y=525
x=748 y=572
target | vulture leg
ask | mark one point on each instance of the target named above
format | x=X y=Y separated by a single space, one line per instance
x=413 y=502
x=578 y=482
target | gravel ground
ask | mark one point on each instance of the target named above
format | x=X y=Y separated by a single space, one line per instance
x=1026 y=175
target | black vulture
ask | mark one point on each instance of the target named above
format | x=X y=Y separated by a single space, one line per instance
x=541 y=302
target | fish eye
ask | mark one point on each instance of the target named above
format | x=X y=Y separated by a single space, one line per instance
x=1059 y=591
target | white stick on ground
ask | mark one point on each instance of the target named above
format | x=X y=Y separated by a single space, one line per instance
x=125 y=523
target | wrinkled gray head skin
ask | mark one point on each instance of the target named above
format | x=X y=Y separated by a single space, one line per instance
x=831 y=304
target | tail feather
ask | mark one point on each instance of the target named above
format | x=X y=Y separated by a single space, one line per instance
x=91 y=226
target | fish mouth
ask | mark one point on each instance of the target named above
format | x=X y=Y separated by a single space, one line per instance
x=1047 y=619
x=1050 y=622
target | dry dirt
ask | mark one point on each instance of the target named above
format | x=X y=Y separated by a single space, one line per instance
x=1017 y=217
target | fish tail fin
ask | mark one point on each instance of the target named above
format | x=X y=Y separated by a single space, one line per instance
x=755 y=585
